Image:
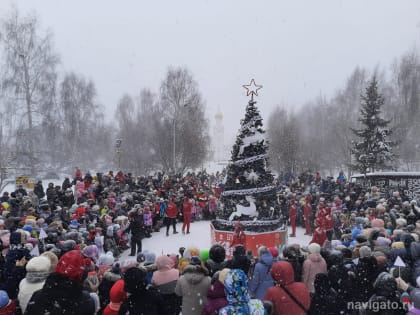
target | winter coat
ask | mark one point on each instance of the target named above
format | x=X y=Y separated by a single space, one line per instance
x=51 y=194
x=9 y=309
x=216 y=299
x=33 y=281
x=313 y=265
x=15 y=253
x=61 y=296
x=108 y=280
x=237 y=295
x=39 y=190
x=213 y=266
x=66 y=184
x=146 y=301
x=366 y=272
x=11 y=283
x=319 y=236
x=283 y=275
x=342 y=280
x=192 y=286
x=173 y=302
x=171 y=210
x=187 y=207
x=385 y=293
x=136 y=227
x=165 y=279
x=261 y=278
x=321 y=301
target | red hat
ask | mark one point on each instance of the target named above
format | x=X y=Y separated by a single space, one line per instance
x=71 y=265
x=274 y=251
x=117 y=293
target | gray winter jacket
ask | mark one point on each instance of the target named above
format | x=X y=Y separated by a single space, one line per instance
x=193 y=286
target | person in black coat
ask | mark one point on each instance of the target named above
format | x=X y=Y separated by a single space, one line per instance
x=239 y=260
x=217 y=255
x=66 y=184
x=386 y=293
x=323 y=296
x=366 y=272
x=51 y=194
x=63 y=292
x=39 y=190
x=292 y=255
x=136 y=227
x=143 y=299
x=108 y=280
x=68 y=198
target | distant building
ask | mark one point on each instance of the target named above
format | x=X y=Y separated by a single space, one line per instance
x=219 y=147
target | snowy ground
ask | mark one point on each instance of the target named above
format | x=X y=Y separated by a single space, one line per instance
x=199 y=237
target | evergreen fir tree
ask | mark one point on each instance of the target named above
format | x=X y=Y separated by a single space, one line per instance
x=373 y=151
x=249 y=192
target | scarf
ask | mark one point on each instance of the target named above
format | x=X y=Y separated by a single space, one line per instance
x=36 y=276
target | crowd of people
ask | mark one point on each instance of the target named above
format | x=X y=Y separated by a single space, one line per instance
x=61 y=250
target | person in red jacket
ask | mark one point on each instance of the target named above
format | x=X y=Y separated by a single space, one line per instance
x=171 y=214
x=117 y=296
x=7 y=306
x=186 y=209
x=307 y=211
x=238 y=235
x=292 y=216
x=287 y=296
x=319 y=235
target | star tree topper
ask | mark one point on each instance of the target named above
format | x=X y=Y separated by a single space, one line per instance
x=252 y=89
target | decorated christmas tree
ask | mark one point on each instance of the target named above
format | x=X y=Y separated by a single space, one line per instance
x=249 y=191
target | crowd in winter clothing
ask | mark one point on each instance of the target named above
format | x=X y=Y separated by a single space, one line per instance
x=61 y=251
x=98 y=217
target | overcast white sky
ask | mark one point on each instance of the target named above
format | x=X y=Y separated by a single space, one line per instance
x=296 y=49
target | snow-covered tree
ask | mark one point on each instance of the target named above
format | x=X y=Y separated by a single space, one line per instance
x=249 y=192
x=28 y=80
x=373 y=151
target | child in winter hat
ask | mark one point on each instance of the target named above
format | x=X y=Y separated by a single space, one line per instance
x=7 y=306
x=117 y=296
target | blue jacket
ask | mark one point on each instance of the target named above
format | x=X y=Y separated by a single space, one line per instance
x=261 y=278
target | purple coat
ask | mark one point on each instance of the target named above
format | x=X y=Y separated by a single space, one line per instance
x=216 y=299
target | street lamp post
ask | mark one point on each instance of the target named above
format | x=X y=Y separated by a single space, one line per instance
x=174 y=148
x=118 y=143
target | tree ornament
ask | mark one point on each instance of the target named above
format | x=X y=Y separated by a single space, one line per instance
x=252 y=177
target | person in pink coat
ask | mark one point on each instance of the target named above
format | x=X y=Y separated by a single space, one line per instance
x=313 y=265
x=165 y=279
